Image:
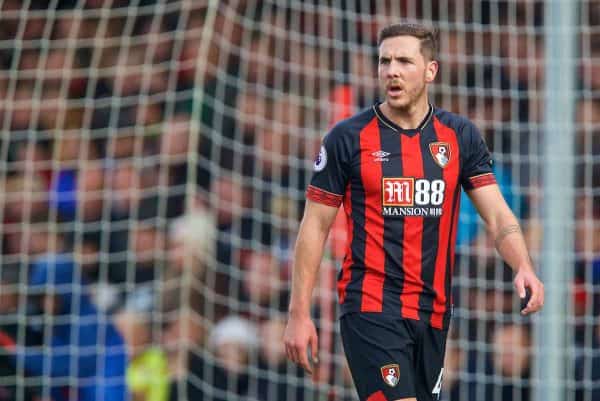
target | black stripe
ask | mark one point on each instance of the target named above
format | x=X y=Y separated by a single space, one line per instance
x=431 y=229
x=353 y=298
x=393 y=230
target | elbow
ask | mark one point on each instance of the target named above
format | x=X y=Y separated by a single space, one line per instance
x=499 y=222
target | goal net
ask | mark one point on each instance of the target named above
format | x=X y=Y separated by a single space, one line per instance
x=154 y=158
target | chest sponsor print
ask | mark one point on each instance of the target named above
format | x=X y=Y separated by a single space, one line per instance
x=409 y=196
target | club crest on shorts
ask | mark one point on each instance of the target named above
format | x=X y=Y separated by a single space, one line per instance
x=391 y=374
x=321 y=160
x=441 y=153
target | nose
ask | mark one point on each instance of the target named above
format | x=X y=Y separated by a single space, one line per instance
x=393 y=70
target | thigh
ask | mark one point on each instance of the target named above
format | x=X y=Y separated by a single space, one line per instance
x=380 y=356
x=431 y=348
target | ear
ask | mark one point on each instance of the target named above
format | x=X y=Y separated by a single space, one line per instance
x=431 y=71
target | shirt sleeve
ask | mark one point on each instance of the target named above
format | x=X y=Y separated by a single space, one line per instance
x=330 y=170
x=477 y=161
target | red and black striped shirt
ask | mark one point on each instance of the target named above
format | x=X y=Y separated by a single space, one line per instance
x=401 y=190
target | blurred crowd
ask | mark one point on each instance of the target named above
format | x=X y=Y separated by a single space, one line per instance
x=154 y=160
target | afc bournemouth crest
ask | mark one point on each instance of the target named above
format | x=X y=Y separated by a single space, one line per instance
x=441 y=153
x=391 y=374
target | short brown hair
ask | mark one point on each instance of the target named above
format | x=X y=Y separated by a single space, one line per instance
x=427 y=35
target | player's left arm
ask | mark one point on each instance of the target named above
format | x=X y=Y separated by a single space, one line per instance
x=504 y=228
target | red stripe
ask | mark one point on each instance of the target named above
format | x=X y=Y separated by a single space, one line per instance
x=444 y=134
x=378 y=396
x=482 y=180
x=346 y=272
x=412 y=166
x=370 y=172
x=319 y=195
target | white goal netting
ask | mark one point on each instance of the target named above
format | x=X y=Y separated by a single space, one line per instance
x=153 y=161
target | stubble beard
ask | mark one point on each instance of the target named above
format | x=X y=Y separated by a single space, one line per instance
x=414 y=97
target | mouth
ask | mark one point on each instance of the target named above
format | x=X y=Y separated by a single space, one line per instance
x=394 y=90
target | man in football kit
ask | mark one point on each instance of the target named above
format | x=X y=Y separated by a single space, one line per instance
x=398 y=168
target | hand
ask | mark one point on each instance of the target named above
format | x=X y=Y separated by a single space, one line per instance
x=300 y=333
x=526 y=278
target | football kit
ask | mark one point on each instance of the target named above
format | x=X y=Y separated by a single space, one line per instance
x=400 y=189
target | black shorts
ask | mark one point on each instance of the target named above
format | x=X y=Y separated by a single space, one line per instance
x=392 y=358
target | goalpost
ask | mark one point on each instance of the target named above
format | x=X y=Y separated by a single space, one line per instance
x=163 y=147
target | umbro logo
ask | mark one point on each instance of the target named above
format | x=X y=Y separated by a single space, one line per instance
x=380 y=156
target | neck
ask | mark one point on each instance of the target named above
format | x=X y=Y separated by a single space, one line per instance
x=409 y=117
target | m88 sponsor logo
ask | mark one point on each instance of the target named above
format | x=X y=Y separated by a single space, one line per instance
x=408 y=196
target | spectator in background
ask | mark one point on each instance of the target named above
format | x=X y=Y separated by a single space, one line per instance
x=272 y=361
x=587 y=368
x=190 y=283
x=192 y=288
x=455 y=48
x=23 y=197
x=365 y=92
x=216 y=89
x=223 y=364
x=135 y=238
x=31 y=158
x=279 y=142
x=183 y=332
x=21 y=108
x=587 y=251
x=143 y=263
x=89 y=192
x=588 y=122
x=147 y=372
x=486 y=293
x=192 y=242
x=261 y=296
x=175 y=144
x=191 y=278
x=11 y=328
x=252 y=107
x=276 y=166
x=284 y=212
x=77 y=183
x=233 y=340
x=453 y=389
x=128 y=80
x=258 y=59
x=590 y=67
x=231 y=201
x=82 y=343
x=587 y=219
x=32 y=237
x=511 y=360
x=131 y=185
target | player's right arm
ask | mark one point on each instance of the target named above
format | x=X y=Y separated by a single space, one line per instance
x=324 y=196
x=300 y=332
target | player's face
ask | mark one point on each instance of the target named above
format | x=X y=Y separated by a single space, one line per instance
x=403 y=71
